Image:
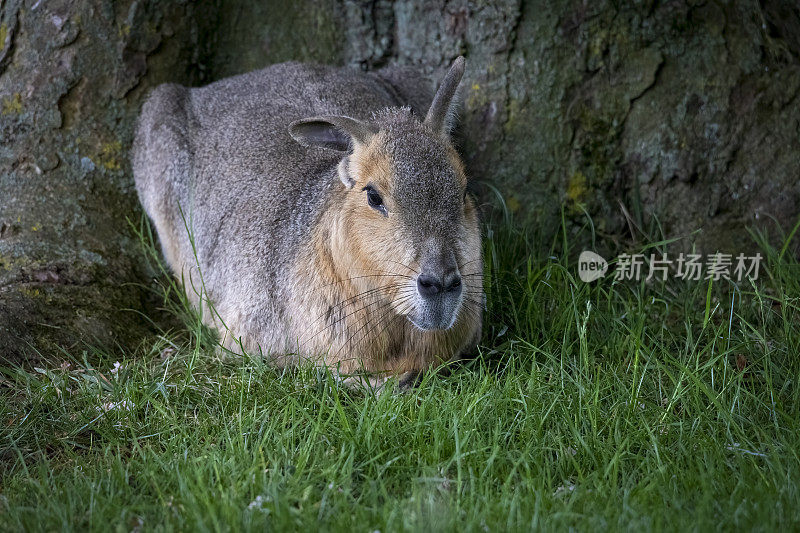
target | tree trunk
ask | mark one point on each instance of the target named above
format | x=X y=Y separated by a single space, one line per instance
x=72 y=76
x=678 y=112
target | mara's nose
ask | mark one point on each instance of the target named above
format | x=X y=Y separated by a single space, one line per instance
x=429 y=286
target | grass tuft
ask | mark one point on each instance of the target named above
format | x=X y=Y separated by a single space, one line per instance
x=616 y=404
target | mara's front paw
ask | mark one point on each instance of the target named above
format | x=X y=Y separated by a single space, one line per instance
x=381 y=384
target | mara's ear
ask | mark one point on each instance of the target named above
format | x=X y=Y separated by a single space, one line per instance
x=343 y=169
x=336 y=133
x=441 y=111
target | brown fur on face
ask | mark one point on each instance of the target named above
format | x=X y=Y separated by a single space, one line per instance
x=361 y=269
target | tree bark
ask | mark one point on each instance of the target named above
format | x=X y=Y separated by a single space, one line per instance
x=72 y=76
x=677 y=112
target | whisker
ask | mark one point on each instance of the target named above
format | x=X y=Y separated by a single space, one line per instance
x=353 y=299
x=341 y=305
x=386 y=318
x=380 y=314
x=390 y=307
x=388 y=275
x=471 y=261
x=382 y=321
x=483 y=308
x=415 y=271
x=402 y=289
x=384 y=272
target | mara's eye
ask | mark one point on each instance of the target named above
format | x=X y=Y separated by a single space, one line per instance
x=374 y=200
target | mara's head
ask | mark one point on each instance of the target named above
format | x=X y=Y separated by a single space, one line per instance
x=410 y=227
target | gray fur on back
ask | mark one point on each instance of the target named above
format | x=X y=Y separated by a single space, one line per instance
x=248 y=191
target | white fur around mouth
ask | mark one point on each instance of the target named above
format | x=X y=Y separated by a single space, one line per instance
x=413 y=323
x=421 y=328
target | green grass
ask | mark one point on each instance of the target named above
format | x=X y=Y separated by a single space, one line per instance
x=615 y=405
